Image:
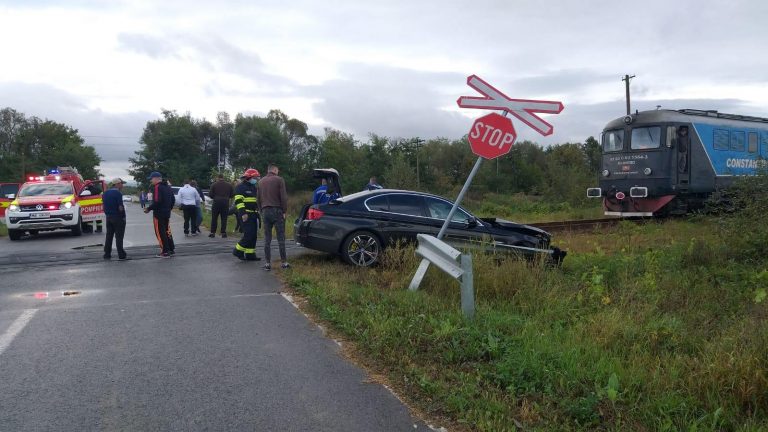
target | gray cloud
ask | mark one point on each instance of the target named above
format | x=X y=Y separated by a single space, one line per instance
x=396 y=102
x=114 y=136
x=210 y=52
x=389 y=101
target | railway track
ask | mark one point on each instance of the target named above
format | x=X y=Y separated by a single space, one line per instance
x=582 y=225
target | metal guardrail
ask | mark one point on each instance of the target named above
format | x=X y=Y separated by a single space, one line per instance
x=452 y=262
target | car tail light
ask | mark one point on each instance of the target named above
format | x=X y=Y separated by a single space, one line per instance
x=314 y=214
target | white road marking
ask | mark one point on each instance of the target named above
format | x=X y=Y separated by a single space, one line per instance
x=15 y=328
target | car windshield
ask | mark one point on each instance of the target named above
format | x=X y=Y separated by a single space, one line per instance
x=45 y=189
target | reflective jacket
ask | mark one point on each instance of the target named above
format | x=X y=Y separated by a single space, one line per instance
x=245 y=199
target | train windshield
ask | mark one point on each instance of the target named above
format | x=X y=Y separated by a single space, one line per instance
x=646 y=138
x=613 y=141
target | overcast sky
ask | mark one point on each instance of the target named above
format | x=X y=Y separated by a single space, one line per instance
x=394 y=68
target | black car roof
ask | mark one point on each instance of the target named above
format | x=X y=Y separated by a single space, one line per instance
x=367 y=193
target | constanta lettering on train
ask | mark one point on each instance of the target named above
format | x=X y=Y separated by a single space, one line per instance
x=746 y=163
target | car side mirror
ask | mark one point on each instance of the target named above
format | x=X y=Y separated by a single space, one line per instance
x=85 y=193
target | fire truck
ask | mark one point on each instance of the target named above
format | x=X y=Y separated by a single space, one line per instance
x=8 y=193
x=61 y=199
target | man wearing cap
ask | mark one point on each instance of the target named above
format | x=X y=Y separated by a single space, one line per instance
x=161 y=206
x=115 y=213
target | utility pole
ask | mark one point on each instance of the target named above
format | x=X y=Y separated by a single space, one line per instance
x=626 y=83
x=219 y=158
x=418 y=142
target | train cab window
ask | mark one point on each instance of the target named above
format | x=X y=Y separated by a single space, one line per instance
x=752 y=142
x=613 y=141
x=738 y=141
x=646 y=138
x=721 y=139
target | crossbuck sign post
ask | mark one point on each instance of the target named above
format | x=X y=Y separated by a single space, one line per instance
x=492 y=136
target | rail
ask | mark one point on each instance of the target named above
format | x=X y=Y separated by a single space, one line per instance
x=583 y=224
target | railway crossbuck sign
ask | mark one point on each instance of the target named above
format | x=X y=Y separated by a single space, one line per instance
x=523 y=109
x=492 y=136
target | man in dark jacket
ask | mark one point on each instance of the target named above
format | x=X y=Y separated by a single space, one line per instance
x=115 y=213
x=248 y=212
x=273 y=203
x=221 y=192
x=161 y=206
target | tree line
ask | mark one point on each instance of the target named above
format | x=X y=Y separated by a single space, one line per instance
x=184 y=147
x=30 y=146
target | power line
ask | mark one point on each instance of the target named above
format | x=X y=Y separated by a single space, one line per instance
x=108 y=136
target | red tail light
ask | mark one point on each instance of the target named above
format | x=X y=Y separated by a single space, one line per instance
x=314 y=214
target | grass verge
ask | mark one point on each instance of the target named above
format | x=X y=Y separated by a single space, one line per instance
x=649 y=327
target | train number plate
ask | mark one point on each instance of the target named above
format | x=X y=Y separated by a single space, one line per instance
x=39 y=215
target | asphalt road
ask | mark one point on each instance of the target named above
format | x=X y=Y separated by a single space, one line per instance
x=201 y=341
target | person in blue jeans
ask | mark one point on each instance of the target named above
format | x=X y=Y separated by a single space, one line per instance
x=115 y=213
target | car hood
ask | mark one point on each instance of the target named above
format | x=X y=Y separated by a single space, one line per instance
x=514 y=226
x=41 y=199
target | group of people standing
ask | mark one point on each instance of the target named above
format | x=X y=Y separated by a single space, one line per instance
x=260 y=199
x=256 y=199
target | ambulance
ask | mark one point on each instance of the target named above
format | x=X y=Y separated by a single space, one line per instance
x=61 y=199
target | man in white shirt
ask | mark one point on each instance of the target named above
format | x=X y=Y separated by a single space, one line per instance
x=188 y=200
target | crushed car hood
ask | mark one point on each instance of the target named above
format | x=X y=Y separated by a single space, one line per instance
x=514 y=226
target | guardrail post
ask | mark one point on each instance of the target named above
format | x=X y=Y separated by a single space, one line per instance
x=467 y=287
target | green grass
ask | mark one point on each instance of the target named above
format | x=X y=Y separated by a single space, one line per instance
x=645 y=327
x=3 y=230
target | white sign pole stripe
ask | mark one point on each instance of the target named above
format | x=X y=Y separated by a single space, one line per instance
x=16 y=327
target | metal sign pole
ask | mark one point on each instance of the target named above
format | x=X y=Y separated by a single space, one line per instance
x=422 y=270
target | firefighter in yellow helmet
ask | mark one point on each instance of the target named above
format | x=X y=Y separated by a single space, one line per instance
x=248 y=212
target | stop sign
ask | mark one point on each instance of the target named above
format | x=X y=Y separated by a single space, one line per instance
x=491 y=136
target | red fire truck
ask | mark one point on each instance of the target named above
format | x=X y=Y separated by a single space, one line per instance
x=60 y=199
x=8 y=193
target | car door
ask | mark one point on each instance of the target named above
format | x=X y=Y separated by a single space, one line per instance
x=401 y=216
x=462 y=228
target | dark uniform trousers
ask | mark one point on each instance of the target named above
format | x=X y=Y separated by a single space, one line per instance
x=220 y=209
x=116 y=229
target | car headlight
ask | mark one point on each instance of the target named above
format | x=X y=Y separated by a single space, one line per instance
x=606 y=173
x=64 y=206
x=13 y=208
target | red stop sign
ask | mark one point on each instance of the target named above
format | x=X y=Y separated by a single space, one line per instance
x=491 y=136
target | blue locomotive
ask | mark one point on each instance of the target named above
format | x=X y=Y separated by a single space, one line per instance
x=669 y=162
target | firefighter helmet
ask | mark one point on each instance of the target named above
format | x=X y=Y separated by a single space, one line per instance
x=250 y=173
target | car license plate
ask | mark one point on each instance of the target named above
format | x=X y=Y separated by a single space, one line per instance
x=39 y=215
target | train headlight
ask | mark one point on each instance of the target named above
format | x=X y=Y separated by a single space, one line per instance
x=647 y=171
x=606 y=173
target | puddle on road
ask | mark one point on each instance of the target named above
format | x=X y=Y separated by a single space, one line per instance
x=47 y=295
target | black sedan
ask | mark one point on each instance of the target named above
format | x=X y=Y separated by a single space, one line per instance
x=359 y=226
